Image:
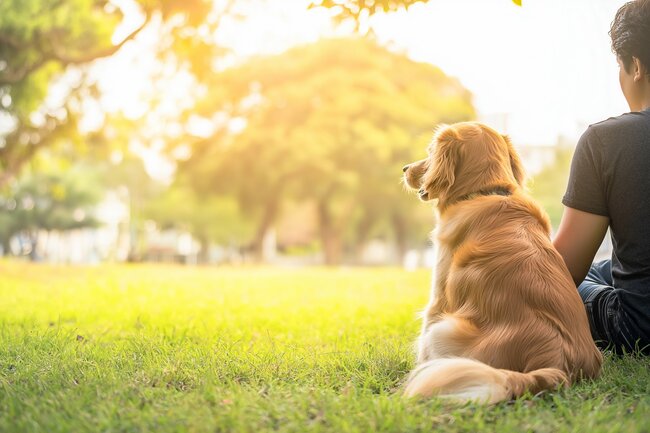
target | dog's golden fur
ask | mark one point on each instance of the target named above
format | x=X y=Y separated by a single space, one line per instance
x=504 y=315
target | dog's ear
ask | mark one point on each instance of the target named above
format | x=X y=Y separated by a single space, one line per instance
x=441 y=174
x=515 y=163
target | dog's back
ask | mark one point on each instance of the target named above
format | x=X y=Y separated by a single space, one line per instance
x=516 y=286
x=505 y=316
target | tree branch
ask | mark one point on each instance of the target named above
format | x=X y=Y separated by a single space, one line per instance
x=226 y=11
x=8 y=40
x=67 y=60
x=8 y=77
x=13 y=166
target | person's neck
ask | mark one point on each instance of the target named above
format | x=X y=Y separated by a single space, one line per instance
x=642 y=105
x=644 y=101
x=645 y=105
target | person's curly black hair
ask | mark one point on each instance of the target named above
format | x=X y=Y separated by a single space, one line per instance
x=630 y=33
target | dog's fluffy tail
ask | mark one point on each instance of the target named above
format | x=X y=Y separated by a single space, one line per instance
x=464 y=379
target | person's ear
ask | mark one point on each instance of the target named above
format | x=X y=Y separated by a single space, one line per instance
x=639 y=71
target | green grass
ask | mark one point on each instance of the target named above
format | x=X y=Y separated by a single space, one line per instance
x=160 y=348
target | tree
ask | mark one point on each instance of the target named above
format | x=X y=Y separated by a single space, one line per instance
x=51 y=200
x=40 y=40
x=357 y=9
x=210 y=219
x=331 y=122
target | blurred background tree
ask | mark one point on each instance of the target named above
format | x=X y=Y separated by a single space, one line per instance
x=45 y=45
x=358 y=10
x=48 y=200
x=333 y=123
x=304 y=147
x=211 y=219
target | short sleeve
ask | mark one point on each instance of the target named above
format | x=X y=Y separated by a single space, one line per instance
x=586 y=188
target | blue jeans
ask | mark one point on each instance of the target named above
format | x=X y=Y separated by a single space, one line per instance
x=610 y=327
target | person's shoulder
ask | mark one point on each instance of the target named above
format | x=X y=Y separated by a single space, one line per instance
x=635 y=119
x=611 y=129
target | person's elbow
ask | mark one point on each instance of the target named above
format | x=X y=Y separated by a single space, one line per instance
x=577 y=268
x=578 y=239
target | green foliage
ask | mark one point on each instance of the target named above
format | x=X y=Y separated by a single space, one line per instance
x=175 y=349
x=40 y=40
x=71 y=32
x=209 y=218
x=50 y=200
x=39 y=36
x=332 y=122
x=548 y=186
x=357 y=9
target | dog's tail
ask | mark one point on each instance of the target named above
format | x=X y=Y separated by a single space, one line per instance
x=464 y=379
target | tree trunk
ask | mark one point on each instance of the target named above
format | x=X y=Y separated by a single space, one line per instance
x=204 y=250
x=399 y=227
x=5 y=177
x=6 y=248
x=33 y=239
x=267 y=221
x=332 y=249
x=330 y=236
x=363 y=233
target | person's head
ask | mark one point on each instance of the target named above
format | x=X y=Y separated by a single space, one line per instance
x=630 y=34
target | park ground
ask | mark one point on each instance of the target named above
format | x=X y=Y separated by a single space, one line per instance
x=120 y=348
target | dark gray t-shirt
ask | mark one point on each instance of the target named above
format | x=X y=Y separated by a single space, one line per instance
x=610 y=176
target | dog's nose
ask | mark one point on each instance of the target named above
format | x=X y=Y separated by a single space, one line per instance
x=406 y=167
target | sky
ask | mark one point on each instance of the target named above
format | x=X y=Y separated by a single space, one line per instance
x=536 y=72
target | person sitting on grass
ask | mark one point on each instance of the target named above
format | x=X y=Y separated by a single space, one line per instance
x=609 y=186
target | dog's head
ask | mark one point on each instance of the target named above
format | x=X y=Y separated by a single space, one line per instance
x=465 y=158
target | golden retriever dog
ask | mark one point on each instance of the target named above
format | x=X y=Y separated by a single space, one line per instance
x=504 y=316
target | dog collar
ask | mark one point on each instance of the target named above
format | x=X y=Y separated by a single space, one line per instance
x=500 y=190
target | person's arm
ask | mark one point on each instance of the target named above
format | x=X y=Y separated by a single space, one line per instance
x=578 y=238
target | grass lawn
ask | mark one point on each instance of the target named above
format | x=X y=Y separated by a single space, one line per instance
x=164 y=348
